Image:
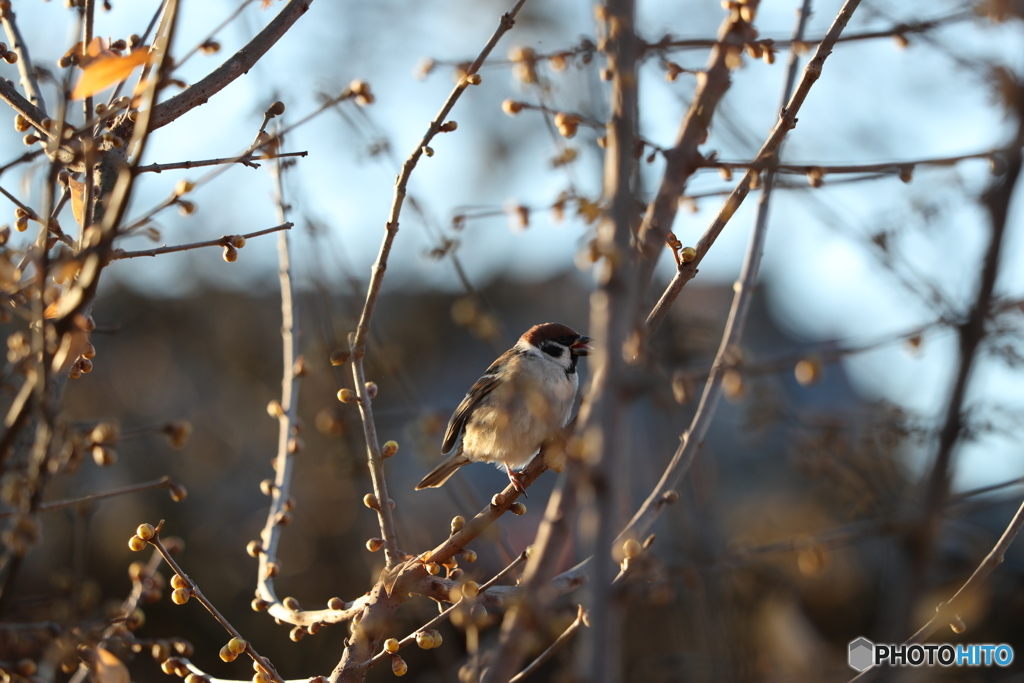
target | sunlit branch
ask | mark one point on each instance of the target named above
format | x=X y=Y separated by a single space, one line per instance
x=198 y=595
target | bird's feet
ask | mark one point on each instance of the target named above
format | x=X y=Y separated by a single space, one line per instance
x=515 y=478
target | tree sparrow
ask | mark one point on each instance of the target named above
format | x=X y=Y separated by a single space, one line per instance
x=521 y=401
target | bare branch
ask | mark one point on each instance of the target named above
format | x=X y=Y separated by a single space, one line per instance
x=25 y=68
x=358 y=342
x=238 y=64
x=220 y=242
x=559 y=643
x=246 y=160
x=198 y=595
x=787 y=121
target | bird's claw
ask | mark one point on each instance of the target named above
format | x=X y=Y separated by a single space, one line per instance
x=517 y=483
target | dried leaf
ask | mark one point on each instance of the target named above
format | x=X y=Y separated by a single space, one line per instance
x=105 y=71
x=77 y=190
x=110 y=669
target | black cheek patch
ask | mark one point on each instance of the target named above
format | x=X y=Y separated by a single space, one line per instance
x=553 y=349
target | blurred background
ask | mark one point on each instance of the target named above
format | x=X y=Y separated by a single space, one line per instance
x=785 y=544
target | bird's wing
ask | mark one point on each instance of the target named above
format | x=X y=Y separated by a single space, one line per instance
x=483 y=386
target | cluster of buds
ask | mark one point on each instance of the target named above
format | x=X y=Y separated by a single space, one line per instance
x=567 y=124
x=524 y=61
x=101 y=441
x=232 y=649
x=360 y=89
x=231 y=244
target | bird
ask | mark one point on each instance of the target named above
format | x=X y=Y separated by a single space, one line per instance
x=522 y=400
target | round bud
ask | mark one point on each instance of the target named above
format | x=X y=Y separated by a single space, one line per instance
x=687 y=254
x=183 y=187
x=370 y=501
x=433 y=568
x=297 y=634
x=436 y=637
x=388 y=449
x=259 y=605
x=336 y=604
x=339 y=357
x=178 y=581
x=180 y=596
x=145 y=532
x=274 y=409
x=517 y=508
x=276 y=109
x=267 y=487
x=391 y=646
x=237 y=241
x=254 y=548
x=346 y=395
x=195 y=678
x=371 y=389
x=178 y=492
x=21 y=124
x=227 y=655
x=497 y=500
x=428 y=151
x=374 y=544
x=808 y=371
x=511 y=107
x=474 y=79
x=670 y=497
x=260 y=677
x=135 y=544
x=457 y=523
x=398 y=666
x=469 y=556
x=470 y=589
x=291 y=604
x=230 y=253
x=236 y=645
x=631 y=548
x=448 y=126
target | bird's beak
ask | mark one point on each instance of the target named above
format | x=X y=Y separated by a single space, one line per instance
x=582 y=347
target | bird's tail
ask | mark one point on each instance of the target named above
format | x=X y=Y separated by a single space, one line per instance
x=442 y=472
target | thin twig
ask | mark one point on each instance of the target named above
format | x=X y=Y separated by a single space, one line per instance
x=947 y=613
x=900 y=29
x=284 y=461
x=972 y=333
x=161 y=483
x=213 y=34
x=220 y=242
x=25 y=68
x=198 y=595
x=246 y=160
x=358 y=342
x=559 y=643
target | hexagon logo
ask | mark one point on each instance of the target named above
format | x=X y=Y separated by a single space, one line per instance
x=862 y=654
